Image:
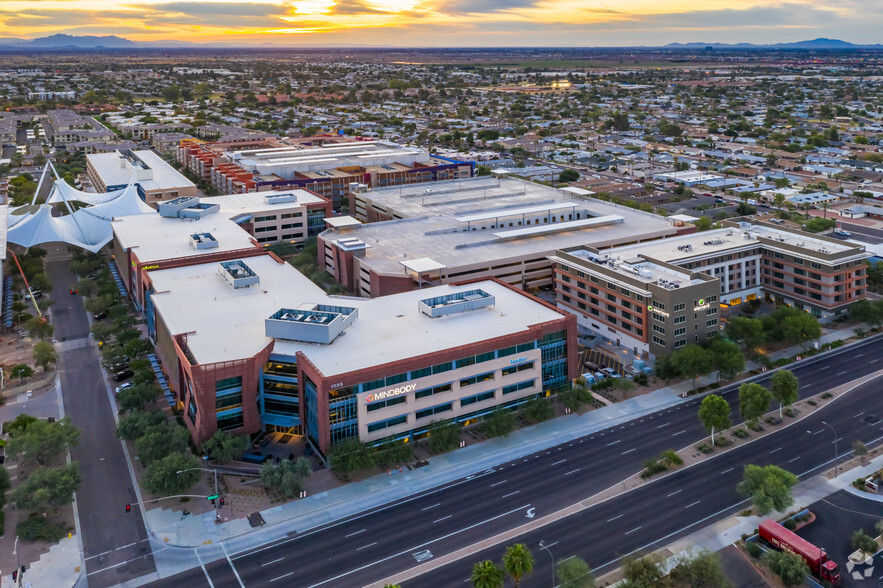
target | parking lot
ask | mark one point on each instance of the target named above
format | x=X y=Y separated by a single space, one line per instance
x=837 y=518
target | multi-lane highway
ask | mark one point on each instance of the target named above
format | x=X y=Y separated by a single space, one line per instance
x=378 y=543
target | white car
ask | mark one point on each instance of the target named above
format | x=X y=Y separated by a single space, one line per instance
x=610 y=372
x=125 y=386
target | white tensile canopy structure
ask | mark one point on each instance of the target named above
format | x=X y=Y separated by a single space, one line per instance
x=88 y=227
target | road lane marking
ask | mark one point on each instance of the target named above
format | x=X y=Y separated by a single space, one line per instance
x=614 y=518
x=433 y=506
x=614 y=443
x=632 y=531
x=561 y=461
x=824 y=367
x=841 y=373
x=629 y=451
x=858 y=415
x=274 y=561
x=498 y=483
x=678 y=433
x=442 y=519
x=357 y=532
x=663 y=425
x=511 y=494
x=817 y=432
x=859 y=355
x=874 y=360
x=693 y=504
x=775 y=450
x=572 y=471
x=795 y=459
x=232 y=567
x=282 y=576
x=726 y=471
x=673 y=493
x=411 y=549
x=366 y=546
x=199 y=559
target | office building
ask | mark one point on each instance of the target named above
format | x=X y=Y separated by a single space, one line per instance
x=157 y=181
x=251 y=344
x=659 y=296
x=474 y=228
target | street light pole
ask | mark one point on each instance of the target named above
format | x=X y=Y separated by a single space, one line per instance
x=217 y=499
x=546 y=547
x=836 y=455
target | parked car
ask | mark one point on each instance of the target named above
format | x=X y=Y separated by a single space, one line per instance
x=610 y=372
x=599 y=376
x=125 y=386
x=119 y=366
x=100 y=315
x=842 y=233
x=123 y=375
x=33 y=293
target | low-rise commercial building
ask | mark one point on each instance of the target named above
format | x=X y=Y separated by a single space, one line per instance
x=474 y=228
x=657 y=297
x=251 y=344
x=157 y=181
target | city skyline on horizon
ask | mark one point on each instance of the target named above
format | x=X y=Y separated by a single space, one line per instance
x=445 y=23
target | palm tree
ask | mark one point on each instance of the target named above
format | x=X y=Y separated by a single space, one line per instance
x=487 y=575
x=518 y=562
x=779 y=200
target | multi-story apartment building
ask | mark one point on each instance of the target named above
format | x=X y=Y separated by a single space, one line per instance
x=658 y=296
x=327 y=168
x=66 y=126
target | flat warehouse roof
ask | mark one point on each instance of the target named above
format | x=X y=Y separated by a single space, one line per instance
x=499 y=213
x=223 y=323
x=164 y=176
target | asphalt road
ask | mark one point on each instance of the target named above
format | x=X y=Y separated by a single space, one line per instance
x=114 y=543
x=869 y=234
x=376 y=544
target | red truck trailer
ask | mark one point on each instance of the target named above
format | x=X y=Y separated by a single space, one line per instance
x=816 y=558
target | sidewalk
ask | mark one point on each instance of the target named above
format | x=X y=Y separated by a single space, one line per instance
x=170 y=528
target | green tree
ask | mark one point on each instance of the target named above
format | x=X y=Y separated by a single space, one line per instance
x=137 y=397
x=39 y=327
x=800 y=329
x=714 y=412
x=486 y=574
x=748 y=332
x=726 y=358
x=162 y=477
x=790 y=567
x=860 y=449
x=349 y=456
x=768 y=487
x=576 y=396
x=500 y=423
x=18 y=424
x=863 y=542
x=42 y=441
x=574 y=572
x=691 y=362
x=754 y=401
x=643 y=572
x=568 y=175
x=443 y=436
x=138 y=422
x=21 y=370
x=44 y=354
x=48 y=488
x=518 y=562
x=867 y=311
x=286 y=477
x=538 y=409
x=161 y=440
x=784 y=387
x=703 y=223
x=224 y=447
x=702 y=570
x=392 y=454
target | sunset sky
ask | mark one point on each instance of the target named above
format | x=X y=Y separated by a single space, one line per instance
x=578 y=23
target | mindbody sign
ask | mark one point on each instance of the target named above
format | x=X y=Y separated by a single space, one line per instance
x=390 y=393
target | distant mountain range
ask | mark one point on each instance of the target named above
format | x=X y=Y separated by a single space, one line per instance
x=820 y=43
x=86 y=42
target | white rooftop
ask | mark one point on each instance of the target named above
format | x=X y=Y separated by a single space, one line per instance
x=342 y=221
x=163 y=176
x=223 y=323
x=424 y=264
